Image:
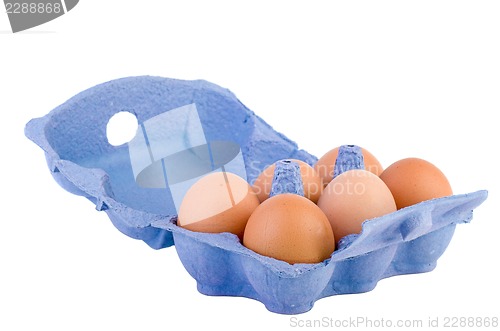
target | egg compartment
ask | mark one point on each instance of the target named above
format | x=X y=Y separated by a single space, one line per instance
x=407 y=241
x=73 y=137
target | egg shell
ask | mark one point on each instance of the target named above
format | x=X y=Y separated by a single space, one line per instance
x=413 y=180
x=290 y=228
x=79 y=158
x=353 y=197
x=326 y=164
x=312 y=182
x=218 y=202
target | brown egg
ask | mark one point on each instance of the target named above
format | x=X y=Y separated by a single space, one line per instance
x=218 y=202
x=414 y=180
x=312 y=182
x=290 y=228
x=353 y=197
x=326 y=164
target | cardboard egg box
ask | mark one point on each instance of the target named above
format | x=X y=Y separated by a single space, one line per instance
x=123 y=182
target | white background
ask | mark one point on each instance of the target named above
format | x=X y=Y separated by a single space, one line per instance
x=416 y=78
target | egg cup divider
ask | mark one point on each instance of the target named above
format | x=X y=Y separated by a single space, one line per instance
x=73 y=137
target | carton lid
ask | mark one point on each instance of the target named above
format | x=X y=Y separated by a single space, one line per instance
x=185 y=129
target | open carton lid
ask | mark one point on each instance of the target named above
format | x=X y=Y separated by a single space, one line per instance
x=179 y=122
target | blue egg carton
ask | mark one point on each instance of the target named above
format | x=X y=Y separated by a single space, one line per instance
x=73 y=137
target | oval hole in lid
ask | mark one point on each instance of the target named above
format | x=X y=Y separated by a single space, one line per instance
x=121 y=128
